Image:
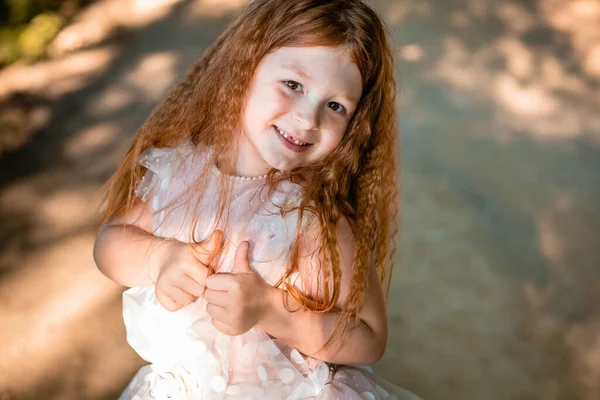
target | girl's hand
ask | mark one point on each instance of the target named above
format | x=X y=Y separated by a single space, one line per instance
x=183 y=270
x=237 y=301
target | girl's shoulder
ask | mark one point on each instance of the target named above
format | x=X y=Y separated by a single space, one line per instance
x=170 y=167
x=164 y=161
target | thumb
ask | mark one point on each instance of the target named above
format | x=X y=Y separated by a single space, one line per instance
x=241 y=263
x=205 y=251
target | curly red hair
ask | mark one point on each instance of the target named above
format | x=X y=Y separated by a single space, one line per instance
x=358 y=181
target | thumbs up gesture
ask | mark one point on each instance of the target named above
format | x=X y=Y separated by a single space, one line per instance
x=238 y=300
x=182 y=270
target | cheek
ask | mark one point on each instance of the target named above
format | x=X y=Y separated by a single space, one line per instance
x=331 y=141
x=263 y=106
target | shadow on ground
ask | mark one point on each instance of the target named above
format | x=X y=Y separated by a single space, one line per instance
x=495 y=291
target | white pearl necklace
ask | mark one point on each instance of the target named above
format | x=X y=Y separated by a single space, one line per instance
x=240 y=178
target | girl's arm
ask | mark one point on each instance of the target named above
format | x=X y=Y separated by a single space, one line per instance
x=308 y=331
x=178 y=269
x=122 y=244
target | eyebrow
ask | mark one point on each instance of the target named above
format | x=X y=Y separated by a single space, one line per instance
x=305 y=76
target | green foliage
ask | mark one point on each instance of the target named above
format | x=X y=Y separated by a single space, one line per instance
x=38 y=33
x=9 y=48
x=22 y=11
x=28 y=26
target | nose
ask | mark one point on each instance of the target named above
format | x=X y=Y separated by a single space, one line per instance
x=307 y=116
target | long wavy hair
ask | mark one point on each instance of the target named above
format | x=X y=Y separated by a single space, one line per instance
x=358 y=180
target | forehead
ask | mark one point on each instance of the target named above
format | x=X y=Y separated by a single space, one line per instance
x=330 y=66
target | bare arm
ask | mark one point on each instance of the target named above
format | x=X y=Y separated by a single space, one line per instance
x=122 y=244
x=178 y=270
x=308 y=331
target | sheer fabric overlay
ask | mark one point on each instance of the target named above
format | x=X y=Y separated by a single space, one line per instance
x=189 y=359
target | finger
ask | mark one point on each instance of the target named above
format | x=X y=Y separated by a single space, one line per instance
x=241 y=263
x=220 y=281
x=190 y=286
x=206 y=250
x=197 y=272
x=217 y=312
x=180 y=296
x=217 y=297
x=168 y=303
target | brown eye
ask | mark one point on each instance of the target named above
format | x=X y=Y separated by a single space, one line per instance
x=292 y=85
x=338 y=107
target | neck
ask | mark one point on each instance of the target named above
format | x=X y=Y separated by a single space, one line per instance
x=249 y=161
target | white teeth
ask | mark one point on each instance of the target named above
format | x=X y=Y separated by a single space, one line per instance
x=297 y=142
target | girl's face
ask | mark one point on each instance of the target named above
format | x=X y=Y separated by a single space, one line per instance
x=297 y=109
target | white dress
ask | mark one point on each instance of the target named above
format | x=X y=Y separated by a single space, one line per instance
x=189 y=359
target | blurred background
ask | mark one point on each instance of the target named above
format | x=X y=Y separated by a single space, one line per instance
x=496 y=291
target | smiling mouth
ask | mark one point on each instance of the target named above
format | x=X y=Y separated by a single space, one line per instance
x=290 y=138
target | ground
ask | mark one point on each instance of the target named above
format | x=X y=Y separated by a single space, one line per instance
x=495 y=292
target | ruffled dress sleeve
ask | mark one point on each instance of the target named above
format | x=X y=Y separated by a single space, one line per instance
x=170 y=171
x=159 y=165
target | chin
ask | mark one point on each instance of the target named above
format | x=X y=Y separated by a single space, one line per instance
x=279 y=163
x=275 y=160
x=282 y=165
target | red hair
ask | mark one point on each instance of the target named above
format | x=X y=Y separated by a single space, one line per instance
x=358 y=180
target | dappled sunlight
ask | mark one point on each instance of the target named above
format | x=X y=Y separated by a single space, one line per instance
x=42 y=217
x=213 y=8
x=495 y=292
x=578 y=19
x=64 y=210
x=94 y=25
x=112 y=100
x=102 y=20
x=536 y=86
x=60 y=303
x=51 y=315
x=398 y=11
x=515 y=17
x=49 y=76
x=20 y=116
x=591 y=62
x=502 y=105
x=144 y=8
x=565 y=310
x=92 y=138
x=412 y=52
x=158 y=68
x=520 y=59
x=59 y=308
x=459 y=68
x=524 y=101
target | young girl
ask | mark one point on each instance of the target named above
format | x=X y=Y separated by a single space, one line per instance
x=253 y=215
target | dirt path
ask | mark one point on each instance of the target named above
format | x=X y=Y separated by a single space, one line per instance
x=496 y=293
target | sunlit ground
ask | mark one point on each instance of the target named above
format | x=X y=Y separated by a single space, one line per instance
x=496 y=293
